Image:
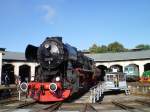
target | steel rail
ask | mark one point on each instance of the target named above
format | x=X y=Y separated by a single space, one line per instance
x=128 y=108
x=143 y=102
x=52 y=107
x=90 y=106
x=7 y=102
x=25 y=104
x=85 y=108
x=125 y=107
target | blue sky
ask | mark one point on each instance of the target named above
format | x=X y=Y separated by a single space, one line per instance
x=80 y=22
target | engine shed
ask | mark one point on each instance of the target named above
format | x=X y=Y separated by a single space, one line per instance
x=15 y=62
x=15 y=66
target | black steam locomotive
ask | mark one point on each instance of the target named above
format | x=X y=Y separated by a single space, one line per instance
x=63 y=70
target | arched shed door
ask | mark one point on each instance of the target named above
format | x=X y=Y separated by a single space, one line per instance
x=25 y=73
x=8 y=69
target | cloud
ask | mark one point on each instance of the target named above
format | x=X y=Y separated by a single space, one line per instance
x=49 y=13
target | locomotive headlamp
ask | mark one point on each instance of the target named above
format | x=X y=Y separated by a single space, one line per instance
x=46 y=46
x=52 y=87
x=57 y=79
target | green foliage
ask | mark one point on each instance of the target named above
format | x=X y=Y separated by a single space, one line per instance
x=116 y=47
x=143 y=46
x=104 y=49
x=112 y=47
x=94 y=49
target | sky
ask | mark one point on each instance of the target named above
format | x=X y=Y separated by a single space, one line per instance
x=81 y=23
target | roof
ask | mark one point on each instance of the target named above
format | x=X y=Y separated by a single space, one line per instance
x=120 y=56
x=101 y=57
x=14 y=56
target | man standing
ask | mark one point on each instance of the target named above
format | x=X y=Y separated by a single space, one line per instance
x=6 y=79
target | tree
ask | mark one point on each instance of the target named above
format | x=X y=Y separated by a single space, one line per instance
x=103 y=49
x=112 y=47
x=94 y=48
x=116 y=47
x=98 y=49
x=143 y=46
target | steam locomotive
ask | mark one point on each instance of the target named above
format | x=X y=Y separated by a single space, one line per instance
x=62 y=71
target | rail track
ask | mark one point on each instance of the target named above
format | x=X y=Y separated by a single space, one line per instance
x=25 y=104
x=52 y=108
x=124 y=105
x=63 y=107
x=7 y=102
x=146 y=103
x=129 y=108
x=81 y=107
x=89 y=107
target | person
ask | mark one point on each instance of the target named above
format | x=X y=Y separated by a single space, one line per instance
x=115 y=81
x=17 y=81
x=3 y=78
x=6 y=79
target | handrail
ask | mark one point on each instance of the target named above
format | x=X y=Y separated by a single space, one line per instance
x=96 y=92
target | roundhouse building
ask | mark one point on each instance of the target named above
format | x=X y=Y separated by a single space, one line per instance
x=15 y=64
x=137 y=61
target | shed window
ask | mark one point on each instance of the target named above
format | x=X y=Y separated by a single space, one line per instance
x=109 y=77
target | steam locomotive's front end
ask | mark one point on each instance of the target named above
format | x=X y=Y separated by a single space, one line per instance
x=48 y=83
x=51 y=53
x=47 y=91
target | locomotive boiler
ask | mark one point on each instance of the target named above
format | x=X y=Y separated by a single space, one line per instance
x=62 y=71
